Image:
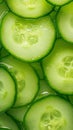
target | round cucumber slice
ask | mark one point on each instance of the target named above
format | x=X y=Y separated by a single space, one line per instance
x=49 y=113
x=27 y=80
x=29 y=8
x=27 y=39
x=58 y=67
x=7 y=90
x=65 y=22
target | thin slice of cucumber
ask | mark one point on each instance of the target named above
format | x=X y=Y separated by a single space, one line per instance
x=27 y=80
x=65 y=22
x=7 y=89
x=7 y=122
x=29 y=8
x=58 y=67
x=49 y=113
x=59 y=2
x=27 y=39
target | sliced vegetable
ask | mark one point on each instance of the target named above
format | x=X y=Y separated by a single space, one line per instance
x=51 y=112
x=65 y=22
x=29 y=8
x=7 y=90
x=27 y=80
x=58 y=67
x=27 y=39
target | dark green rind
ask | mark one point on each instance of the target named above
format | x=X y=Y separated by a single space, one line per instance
x=5 y=125
x=24 y=124
x=38 y=85
x=55 y=91
x=62 y=36
x=13 y=78
x=37 y=59
x=57 y=4
x=65 y=95
x=31 y=17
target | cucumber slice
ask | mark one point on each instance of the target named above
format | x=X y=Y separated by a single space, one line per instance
x=27 y=80
x=29 y=8
x=49 y=113
x=65 y=22
x=7 y=90
x=53 y=17
x=27 y=39
x=7 y=122
x=58 y=67
x=59 y=2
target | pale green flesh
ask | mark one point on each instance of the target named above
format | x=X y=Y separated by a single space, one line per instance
x=58 y=67
x=7 y=90
x=29 y=8
x=59 y=2
x=7 y=122
x=30 y=39
x=27 y=81
x=56 y=114
x=65 y=22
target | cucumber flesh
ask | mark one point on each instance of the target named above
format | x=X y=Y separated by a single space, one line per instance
x=28 y=39
x=56 y=114
x=65 y=22
x=27 y=80
x=30 y=8
x=58 y=67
